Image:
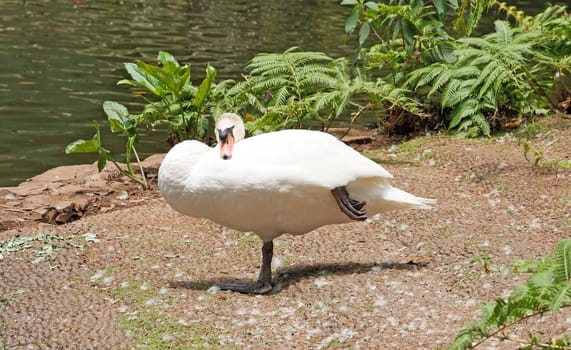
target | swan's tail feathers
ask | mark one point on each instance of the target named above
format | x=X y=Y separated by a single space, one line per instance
x=398 y=199
x=381 y=196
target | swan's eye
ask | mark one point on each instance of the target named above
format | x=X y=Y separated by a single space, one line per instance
x=223 y=133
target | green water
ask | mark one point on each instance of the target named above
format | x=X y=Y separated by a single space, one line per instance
x=60 y=59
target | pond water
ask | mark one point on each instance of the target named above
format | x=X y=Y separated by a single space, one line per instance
x=60 y=59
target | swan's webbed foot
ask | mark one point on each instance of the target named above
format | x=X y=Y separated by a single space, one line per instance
x=264 y=283
x=351 y=207
x=247 y=288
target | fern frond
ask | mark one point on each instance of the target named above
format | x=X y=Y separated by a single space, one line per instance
x=542 y=292
x=559 y=296
x=469 y=14
x=448 y=93
x=281 y=96
x=504 y=33
x=562 y=261
x=482 y=124
x=482 y=43
x=324 y=100
x=425 y=75
x=263 y=85
x=316 y=80
x=488 y=77
x=461 y=112
x=442 y=79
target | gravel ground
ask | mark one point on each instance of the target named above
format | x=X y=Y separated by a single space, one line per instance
x=141 y=277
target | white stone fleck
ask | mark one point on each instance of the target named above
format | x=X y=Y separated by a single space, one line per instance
x=122 y=309
x=381 y=301
x=123 y=196
x=392 y=321
x=213 y=290
x=535 y=223
x=97 y=275
x=321 y=282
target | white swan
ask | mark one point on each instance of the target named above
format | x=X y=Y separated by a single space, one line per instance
x=290 y=181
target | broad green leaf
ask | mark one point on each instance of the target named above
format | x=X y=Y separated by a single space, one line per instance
x=364 y=33
x=351 y=22
x=161 y=77
x=118 y=116
x=349 y=2
x=86 y=146
x=204 y=88
x=409 y=30
x=165 y=57
x=143 y=79
x=372 y=5
x=82 y=146
x=169 y=76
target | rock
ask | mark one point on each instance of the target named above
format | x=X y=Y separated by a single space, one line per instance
x=50 y=216
x=153 y=161
x=63 y=218
x=66 y=193
x=28 y=188
x=64 y=206
x=360 y=139
x=63 y=174
x=32 y=202
x=81 y=204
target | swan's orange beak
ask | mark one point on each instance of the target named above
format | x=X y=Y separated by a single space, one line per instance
x=226 y=146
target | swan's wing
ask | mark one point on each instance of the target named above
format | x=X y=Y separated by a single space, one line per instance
x=289 y=158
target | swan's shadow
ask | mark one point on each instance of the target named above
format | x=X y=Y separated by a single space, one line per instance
x=288 y=276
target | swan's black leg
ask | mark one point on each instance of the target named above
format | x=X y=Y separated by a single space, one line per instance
x=352 y=208
x=265 y=278
x=264 y=283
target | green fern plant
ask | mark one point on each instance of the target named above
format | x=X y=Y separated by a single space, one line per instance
x=279 y=84
x=353 y=90
x=547 y=290
x=492 y=76
x=469 y=14
x=295 y=88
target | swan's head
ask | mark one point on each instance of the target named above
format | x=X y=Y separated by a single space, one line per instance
x=229 y=129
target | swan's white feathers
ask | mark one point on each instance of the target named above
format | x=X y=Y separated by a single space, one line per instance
x=276 y=183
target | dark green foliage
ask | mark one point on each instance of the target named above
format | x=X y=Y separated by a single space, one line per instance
x=292 y=88
x=491 y=76
x=547 y=290
x=470 y=13
x=182 y=107
x=279 y=87
x=508 y=73
x=408 y=33
x=473 y=84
